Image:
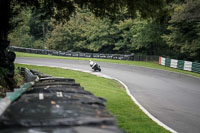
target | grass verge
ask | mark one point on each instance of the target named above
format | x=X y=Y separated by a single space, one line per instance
x=130 y=118
x=136 y=63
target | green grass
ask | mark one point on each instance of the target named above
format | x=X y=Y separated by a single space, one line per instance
x=136 y=63
x=130 y=118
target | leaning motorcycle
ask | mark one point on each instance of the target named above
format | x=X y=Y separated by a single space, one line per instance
x=95 y=66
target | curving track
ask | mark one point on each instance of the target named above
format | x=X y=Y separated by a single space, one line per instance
x=172 y=98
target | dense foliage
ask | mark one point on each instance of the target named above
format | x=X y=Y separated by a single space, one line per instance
x=184 y=30
x=173 y=32
x=37 y=25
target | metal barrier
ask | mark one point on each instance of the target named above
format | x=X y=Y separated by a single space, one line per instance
x=87 y=55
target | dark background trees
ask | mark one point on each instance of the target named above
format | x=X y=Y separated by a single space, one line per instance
x=184 y=28
x=169 y=28
x=157 y=27
x=61 y=11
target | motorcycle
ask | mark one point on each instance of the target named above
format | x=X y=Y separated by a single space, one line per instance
x=95 y=66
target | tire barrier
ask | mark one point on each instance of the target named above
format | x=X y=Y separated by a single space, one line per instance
x=180 y=64
x=56 y=104
x=86 y=55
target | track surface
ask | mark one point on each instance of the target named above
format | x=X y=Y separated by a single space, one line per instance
x=172 y=98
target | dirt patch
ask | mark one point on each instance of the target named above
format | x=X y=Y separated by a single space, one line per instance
x=8 y=84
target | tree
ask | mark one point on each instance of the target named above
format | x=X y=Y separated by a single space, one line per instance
x=61 y=10
x=85 y=32
x=38 y=27
x=146 y=37
x=61 y=38
x=184 y=30
x=20 y=36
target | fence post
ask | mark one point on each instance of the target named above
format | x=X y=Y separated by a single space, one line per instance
x=159 y=62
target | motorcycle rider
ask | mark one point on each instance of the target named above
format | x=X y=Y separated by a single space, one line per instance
x=91 y=63
x=94 y=66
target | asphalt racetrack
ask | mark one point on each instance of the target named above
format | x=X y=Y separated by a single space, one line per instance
x=172 y=98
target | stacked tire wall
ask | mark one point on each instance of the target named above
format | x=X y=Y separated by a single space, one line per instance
x=57 y=105
x=87 y=55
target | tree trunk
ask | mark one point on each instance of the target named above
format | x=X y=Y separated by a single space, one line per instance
x=5 y=13
x=6 y=57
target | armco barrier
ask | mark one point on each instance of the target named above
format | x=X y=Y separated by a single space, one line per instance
x=86 y=55
x=180 y=64
x=162 y=61
x=173 y=63
x=167 y=62
x=187 y=65
x=196 y=67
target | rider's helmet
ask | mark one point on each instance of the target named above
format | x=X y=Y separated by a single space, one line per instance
x=91 y=62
